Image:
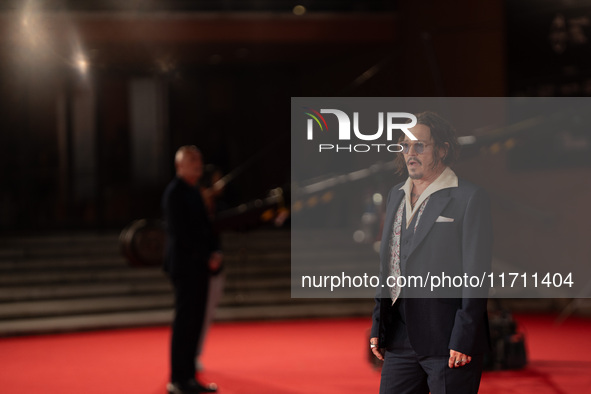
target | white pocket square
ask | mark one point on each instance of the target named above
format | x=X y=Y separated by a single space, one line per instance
x=443 y=219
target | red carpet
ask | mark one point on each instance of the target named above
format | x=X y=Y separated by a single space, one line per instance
x=560 y=359
x=327 y=356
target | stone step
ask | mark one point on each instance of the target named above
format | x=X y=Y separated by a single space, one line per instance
x=84 y=306
x=65 y=275
x=45 y=263
x=96 y=253
x=104 y=304
x=57 y=292
x=301 y=308
x=77 y=276
x=72 y=290
x=12 y=248
x=293 y=310
x=58 y=265
x=82 y=281
x=90 y=237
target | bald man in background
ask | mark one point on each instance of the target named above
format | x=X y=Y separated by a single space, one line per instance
x=191 y=253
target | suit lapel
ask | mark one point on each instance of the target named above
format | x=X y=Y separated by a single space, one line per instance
x=437 y=202
x=395 y=200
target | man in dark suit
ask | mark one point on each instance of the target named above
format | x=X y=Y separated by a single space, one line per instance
x=191 y=252
x=436 y=224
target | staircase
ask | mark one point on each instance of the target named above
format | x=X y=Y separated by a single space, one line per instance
x=77 y=282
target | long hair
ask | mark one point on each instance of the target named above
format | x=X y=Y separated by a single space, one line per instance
x=442 y=132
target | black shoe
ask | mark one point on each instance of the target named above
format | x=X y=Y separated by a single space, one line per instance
x=191 y=387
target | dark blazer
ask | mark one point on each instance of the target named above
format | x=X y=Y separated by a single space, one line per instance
x=458 y=321
x=190 y=237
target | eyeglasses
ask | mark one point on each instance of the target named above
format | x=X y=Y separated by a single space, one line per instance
x=419 y=147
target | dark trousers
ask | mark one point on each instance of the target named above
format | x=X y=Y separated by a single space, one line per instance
x=413 y=374
x=190 y=303
x=405 y=372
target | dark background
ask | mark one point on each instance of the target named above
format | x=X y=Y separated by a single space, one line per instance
x=93 y=149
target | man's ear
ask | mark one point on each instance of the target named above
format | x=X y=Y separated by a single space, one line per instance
x=445 y=151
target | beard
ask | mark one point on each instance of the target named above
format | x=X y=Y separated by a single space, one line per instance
x=415 y=173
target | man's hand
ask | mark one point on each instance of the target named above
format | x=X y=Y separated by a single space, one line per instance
x=215 y=261
x=457 y=359
x=379 y=353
